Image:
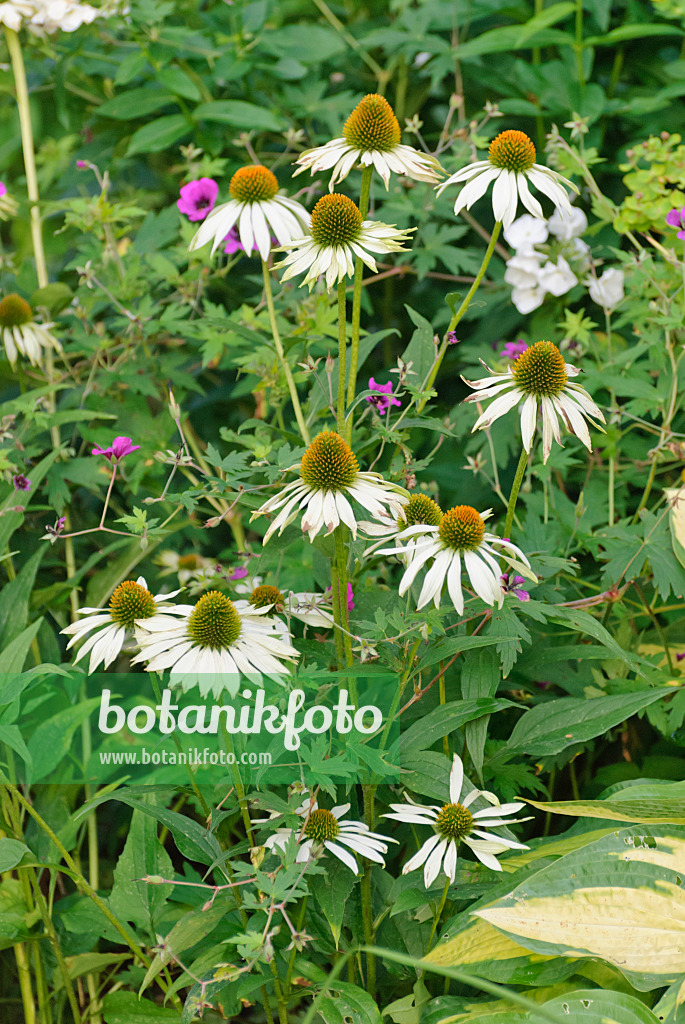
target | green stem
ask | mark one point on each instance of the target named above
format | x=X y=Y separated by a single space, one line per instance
x=285 y=365
x=19 y=72
x=282 y=1008
x=443 y=698
x=293 y=952
x=367 y=905
x=25 y=986
x=342 y=353
x=438 y=915
x=515 y=488
x=239 y=787
x=579 y=43
x=357 y=302
x=430 y=380
x=341 y=564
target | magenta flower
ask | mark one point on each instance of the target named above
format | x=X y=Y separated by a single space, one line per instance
x=452 y=338
x=198 y=198
x=82 y=164
x=237 y=574
x=119 y=447
x=514 y=349
x=384 y=399
x=514 y=585
x=233 y=243
x=350 y=597
x=21 y=482
x=3 y=189
x=676 y=219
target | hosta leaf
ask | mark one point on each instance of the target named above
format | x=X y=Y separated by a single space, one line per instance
x=620 y=899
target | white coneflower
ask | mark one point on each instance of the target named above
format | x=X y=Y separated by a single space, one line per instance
x=419 y=511
x=213 y=645
x=539 y=377
x=257 y=210
x=130 y=604
x=454 y=823
x=21 y=335
x=337 y=235
x=309 y=607
x=324 y=831
x=511 y=167
x=328 y=476
x=460 y=541
x=371 y=136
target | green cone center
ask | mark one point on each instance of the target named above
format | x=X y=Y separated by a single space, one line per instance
x=129 y=602
x=214 y=622
x=329 y=463
x=321 y=825
x=540 y=370
x=454 y=821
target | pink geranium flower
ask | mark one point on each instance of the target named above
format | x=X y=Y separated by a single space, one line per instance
x=198 y=198
x=676 y=219
x=119 y=447
x=384 y=399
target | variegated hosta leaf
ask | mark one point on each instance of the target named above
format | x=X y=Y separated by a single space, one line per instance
x=621 y=898
x=597 y=1006
x=648 y=803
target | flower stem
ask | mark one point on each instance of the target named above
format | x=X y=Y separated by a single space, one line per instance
x=357 y=301
x=341 y=567
x=515 y=488
x=342 y=353
x=430 y=380
x=19 y=72
x=367 y=905
x=285 y=365
x=438 y=915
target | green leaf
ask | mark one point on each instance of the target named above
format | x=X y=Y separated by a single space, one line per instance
x=192 y=927
x=636 y=30
x=15 y=597
x=480 y=677
x=132 y=899
x=177 y=81
x=549 y=16
x=446 y=719
x=555 y=725
x=136 y=103
x=54 y=297
x=10 y=735
x=421 y=350
x=239 y=114
x=11 y=853
x=349 y=1005
x=331 y=891
x=500 y=40
x=193 y=841
x=620 y=899
x=51 y=741
x=158 y=135
x=582 y=622
x=14 y=655
x=127 y=1008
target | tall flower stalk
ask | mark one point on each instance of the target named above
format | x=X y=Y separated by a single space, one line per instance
x=357 y=303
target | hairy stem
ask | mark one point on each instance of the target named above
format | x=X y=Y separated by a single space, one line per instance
x=513 y=497
x=285 y=365
x=430 y=380
x=357 y=301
